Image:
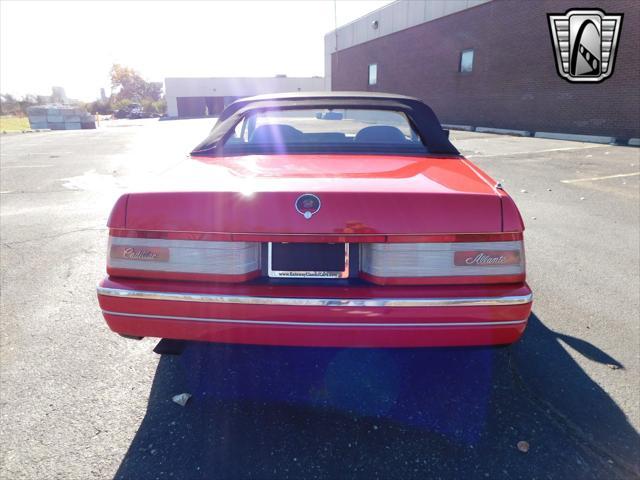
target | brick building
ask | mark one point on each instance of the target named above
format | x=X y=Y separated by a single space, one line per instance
x=488 y=63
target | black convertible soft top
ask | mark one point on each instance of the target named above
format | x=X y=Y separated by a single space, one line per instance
x=421 y=116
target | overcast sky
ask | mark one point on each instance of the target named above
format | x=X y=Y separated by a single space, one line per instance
x=73 y=44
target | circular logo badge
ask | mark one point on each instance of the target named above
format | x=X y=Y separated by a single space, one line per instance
x=307 y=205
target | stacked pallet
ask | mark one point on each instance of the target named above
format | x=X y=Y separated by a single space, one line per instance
x=59 y=117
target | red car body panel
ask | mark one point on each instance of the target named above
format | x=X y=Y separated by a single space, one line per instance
x=365 y=198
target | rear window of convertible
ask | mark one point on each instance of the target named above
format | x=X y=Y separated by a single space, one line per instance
x=324 y=130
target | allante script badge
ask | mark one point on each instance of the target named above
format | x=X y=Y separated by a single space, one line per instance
x=488 y=258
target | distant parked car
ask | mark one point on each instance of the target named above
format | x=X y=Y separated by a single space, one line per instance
x=333 y=219
x=125 y=112
x=139 y=112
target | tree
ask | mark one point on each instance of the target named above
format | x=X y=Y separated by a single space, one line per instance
x=154 y=91
x=129 y=85
x=26 y=102
x=99 y=106
x=8 y=104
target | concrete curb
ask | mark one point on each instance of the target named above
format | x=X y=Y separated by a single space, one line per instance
x=504 y=131
x=18 y=132
x=575 y=137
x=467 y=128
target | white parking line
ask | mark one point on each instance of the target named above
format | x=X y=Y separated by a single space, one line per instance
x=533 y=152
x=26 y=166
x=57 y=154
x=601 y=178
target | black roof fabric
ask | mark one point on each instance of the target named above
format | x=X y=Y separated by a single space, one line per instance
x=422 y=117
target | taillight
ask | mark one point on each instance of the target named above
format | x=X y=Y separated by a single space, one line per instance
x=183 y=259
x=442 y=263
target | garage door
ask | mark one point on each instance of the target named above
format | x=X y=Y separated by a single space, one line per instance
x=215 y=105
x=191 y=107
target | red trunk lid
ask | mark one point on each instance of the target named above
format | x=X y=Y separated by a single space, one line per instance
x=360 y=194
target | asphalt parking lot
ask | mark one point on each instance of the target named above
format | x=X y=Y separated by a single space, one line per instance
x=77 y=401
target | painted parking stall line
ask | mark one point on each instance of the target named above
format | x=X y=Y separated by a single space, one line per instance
x=606 y=177
x=26 y=166
x=532 y=152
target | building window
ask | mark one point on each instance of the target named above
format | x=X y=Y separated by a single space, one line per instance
x=466 y=61
x=373 y=74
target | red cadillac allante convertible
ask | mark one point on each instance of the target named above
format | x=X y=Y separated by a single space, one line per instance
x=329 y=219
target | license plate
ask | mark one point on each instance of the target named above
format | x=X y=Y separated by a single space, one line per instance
x=309 y=260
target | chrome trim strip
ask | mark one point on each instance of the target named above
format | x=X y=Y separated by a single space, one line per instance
x=315 y=324
x=318 y=302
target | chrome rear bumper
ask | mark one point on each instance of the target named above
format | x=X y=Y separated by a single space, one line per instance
x=318 y=302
